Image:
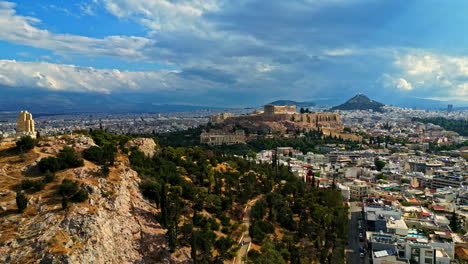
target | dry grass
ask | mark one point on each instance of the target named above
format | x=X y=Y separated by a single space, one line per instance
x=57 y=244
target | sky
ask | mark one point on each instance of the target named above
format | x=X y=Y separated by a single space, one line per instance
x=235 y=53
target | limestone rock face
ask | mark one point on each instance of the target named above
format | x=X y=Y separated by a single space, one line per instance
x=145 y=145
x=116 y=225
x=25 y=123
x=53 y=145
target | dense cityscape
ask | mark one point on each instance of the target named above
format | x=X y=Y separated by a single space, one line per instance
x=403 y=178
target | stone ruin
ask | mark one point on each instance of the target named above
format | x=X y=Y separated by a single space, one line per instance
x=282 y=119
x=25 y=125
x=220 y=137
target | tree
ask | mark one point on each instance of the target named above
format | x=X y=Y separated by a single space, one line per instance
x=223 y=244
x=455 y=223
x=64 y=203
x=302 y=110
x=67 y=158
x=49 y=177
x=101 y=155
x=70 y=190
x=21 y=201
x=32 y=185
x=379 y=164
x=25 y=144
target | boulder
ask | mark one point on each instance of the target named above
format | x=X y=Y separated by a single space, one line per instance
x=145 y=145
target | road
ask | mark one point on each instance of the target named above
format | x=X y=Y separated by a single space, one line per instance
x=352 y=250
x=246 y=240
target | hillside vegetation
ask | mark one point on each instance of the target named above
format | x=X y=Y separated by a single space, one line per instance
x=460 y=126
x=81 y=202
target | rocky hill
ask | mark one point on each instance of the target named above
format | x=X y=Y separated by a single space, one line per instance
x=360 y=102
x=114 y=225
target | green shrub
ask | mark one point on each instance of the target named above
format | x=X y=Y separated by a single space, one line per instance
x=70 y=190
x=105 y=171
x=101 y=155
x=80 y=196
x=67 y=158
x=25 y=144
x=49 y=177
x=49 y=164
x=21 y=201
x=32 y=185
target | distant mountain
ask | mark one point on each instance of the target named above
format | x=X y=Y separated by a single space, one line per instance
x=360 y=102
x=69 y=102
x=289 y=102
x=414 y=102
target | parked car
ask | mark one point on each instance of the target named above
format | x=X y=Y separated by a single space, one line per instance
x=361 y=237
x=361 y=252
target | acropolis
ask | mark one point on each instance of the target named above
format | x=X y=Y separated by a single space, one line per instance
x=282 y=119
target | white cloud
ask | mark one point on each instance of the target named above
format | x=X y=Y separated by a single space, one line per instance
x=403 y=84
x=23 y=30
x=265 y=68
x=87 y=8
x=398 y=83
x=339 y=52
x=461 y=91
x=60 y=77
x=163 y=14
x=439 y=75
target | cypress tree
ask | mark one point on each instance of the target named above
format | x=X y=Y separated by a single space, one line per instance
x=21 y=201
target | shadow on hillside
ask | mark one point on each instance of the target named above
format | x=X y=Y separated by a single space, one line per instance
x=9 y=152
x=33 y=172
x=8 y=212
x=150 y=243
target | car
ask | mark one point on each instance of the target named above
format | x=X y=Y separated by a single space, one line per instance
x=361 y=237
x=361 y=252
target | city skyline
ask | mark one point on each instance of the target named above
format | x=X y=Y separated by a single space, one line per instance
x=215 y=53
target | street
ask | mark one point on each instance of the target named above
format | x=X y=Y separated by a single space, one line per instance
x=352 y=250
x=246 y=240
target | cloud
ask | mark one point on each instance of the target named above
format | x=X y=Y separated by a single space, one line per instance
x=440 y=75
x=339 y=52
x=258 y=49
x=70 y=78
x=163 y=14
x=23 y=30
x=403 y=84
x=87 y=8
